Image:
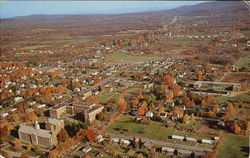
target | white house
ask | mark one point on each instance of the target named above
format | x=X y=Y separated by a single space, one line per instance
x=149 y=114
x=114 y=140
x=99 y=138
x=87 y=149
x=163 y=115
x=17 y=99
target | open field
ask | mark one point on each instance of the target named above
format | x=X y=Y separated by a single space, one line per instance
x=234 y=147
x=242 y=98
x=155 y=130
x=105 y=96
x=186 y=42
x=244 y=60
x=118 y=57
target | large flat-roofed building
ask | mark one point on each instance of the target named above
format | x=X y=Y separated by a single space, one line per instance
x=44 y=137
x=90 y=114
x=58 y=111
x=232 y=86
x=88 y=110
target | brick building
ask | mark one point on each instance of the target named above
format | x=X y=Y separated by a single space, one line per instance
x=37 y=136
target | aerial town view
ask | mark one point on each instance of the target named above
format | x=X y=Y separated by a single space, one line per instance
x=124 y=79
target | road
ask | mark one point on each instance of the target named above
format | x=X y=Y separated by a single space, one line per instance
x=158 y=67
x=72 y=150
x=163 y=143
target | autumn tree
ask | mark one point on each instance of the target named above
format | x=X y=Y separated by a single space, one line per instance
x=4 y=132
x=199 y=75
x=54 y=154
x=187 y=102
x=236 y=129
x=150 y=98
x=122 y=108
x=93 y=99
x=169 y=95
x=209 y=155
x=87 y=134
x=134 y=102
x=211 y=114
x=29 y=147
x=216 y=108
x=176 y=90
x=24 y=155
x=227 y=68
x=17 y=144
x=31 y=116
x=120 y=100
x=142 y=109
x=230 y=113
x=169 y=80
x=161 y=109
x=62 y=135
x=185 y=119
x=177 y=111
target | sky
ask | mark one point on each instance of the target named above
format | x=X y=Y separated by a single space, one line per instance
x=10 y=9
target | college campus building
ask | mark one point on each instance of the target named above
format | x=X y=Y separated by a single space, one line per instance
x=87 y=110
x=45 y=137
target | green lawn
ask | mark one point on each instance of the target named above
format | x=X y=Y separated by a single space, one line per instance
x=234 y=147
x=32 y=153
x=106 y=95
x=243 y=62
x=123 y=57
x=153 y=130
x=242 y=98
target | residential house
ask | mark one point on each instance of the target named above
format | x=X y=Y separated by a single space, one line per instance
x=163 y=115
x=149 y=114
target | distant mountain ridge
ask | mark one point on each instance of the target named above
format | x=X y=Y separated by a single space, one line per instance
x=188 y=10
x=143 y=20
